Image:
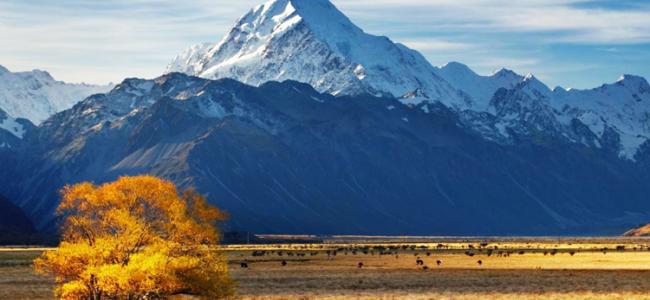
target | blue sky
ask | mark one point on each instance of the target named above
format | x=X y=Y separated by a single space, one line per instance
x=571 y=43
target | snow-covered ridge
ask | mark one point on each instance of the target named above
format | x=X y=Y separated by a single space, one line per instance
x=36 y=95
x=623 y=106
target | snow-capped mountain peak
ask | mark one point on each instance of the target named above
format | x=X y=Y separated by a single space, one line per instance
x=480 y=88
x=503 y=72
x=535 y=88
x=275 y=17
x=39 y=74
x=320 y=15
x=313 y=42
x=454 y=67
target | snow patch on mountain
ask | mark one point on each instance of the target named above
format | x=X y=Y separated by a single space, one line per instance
x=9 y=124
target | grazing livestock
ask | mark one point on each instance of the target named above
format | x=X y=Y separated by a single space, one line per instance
x=360 y=265
x=244 y=265
x=284 y=263
x=439 y=262
x=425 y=268
x=419 y=262
x=480 y=262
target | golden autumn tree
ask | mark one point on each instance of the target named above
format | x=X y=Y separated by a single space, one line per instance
x=136 y=238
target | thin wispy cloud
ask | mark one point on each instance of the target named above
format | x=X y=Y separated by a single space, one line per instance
x=579 y=22
x=429 y=44
x=101 y=41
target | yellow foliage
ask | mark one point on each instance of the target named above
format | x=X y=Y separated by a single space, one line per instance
x=136 y=238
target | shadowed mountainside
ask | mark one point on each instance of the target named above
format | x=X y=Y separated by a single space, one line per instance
x=15 y=226
x=283 y=158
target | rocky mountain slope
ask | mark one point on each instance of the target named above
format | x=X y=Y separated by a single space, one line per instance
x=641 y=231
x=284 y=158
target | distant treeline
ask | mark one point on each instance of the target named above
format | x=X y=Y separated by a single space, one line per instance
x=228 y=238
x=243 y=237
x=29 y=239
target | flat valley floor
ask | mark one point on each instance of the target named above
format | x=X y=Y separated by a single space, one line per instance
x=586 y=268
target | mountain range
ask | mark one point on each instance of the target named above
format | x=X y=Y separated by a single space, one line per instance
x=300 y=122
x=311 y=41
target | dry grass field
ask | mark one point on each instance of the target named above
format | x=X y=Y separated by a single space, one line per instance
x=508 y=269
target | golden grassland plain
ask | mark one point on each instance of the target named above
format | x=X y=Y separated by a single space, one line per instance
x=587 y=268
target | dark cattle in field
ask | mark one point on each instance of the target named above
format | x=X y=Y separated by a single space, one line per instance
x=419 y=262
x=360 y=265
x=480 y=262
x=439 y=262
x=284 y=263
x=244 y=265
